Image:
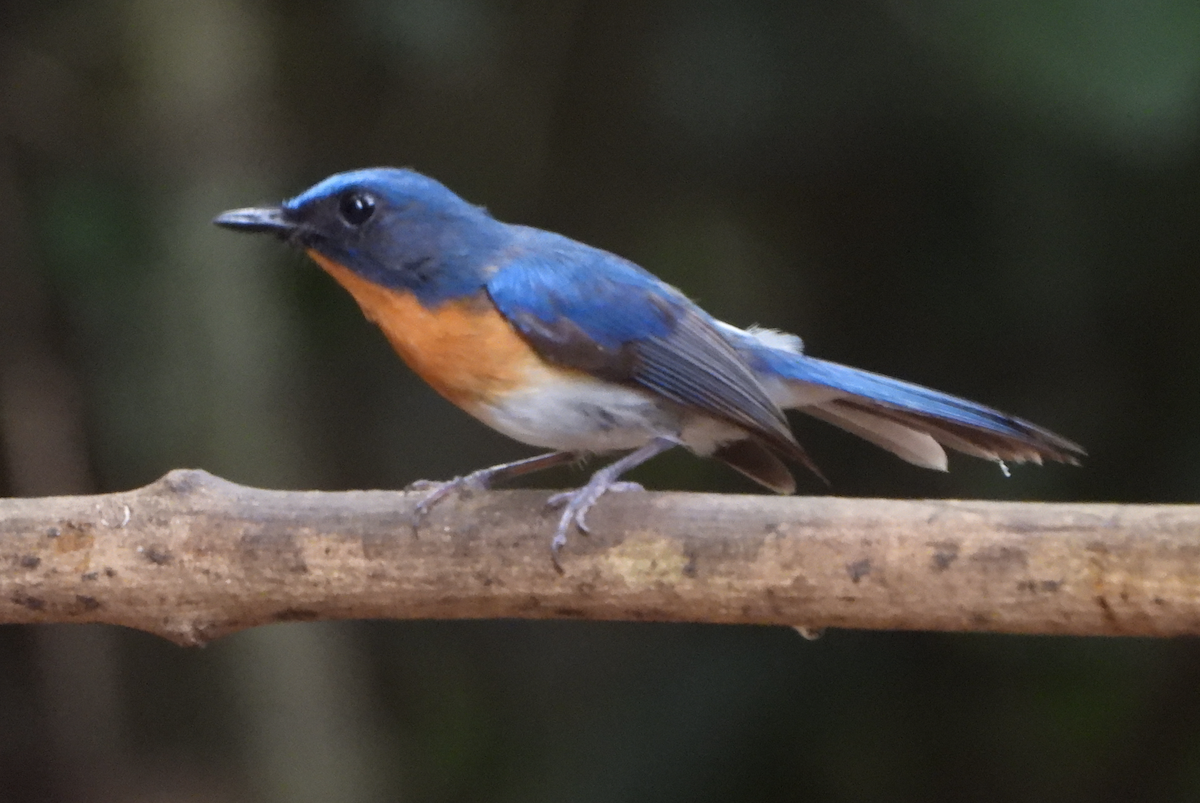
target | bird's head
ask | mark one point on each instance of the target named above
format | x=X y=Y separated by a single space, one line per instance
x=391 y=226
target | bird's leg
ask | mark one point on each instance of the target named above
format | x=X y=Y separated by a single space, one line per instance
x=482 y=480
x=577 y=503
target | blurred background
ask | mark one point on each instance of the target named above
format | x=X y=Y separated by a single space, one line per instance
x=998 y=198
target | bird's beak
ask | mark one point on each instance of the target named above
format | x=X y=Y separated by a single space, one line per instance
x=256 y=219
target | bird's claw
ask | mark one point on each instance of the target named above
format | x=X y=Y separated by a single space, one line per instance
x=576 y=505
x=563 y=497
x=465 y=485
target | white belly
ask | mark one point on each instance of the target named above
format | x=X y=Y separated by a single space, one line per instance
x=576 y=413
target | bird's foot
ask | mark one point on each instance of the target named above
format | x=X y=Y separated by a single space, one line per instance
x=576 y=505
x=467 y=484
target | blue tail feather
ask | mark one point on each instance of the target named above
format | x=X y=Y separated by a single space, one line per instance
x=952 y=420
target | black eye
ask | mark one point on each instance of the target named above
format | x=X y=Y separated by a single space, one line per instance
x=356 y=208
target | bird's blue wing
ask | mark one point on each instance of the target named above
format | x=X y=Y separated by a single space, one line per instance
x=586 y=309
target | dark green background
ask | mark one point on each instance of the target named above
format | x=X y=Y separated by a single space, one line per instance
x=997 y=198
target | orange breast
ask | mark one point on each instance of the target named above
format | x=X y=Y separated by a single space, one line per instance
x=464 y=349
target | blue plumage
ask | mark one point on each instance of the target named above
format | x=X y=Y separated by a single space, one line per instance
x=419 y=236
x=898 y=394
x=582 y=351
x=609 y=299
x=912 y=421
x=587 y=309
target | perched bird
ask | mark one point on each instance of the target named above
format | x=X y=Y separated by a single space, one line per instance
x=567 y=347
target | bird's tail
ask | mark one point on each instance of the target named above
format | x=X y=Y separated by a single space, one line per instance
x=911 y=421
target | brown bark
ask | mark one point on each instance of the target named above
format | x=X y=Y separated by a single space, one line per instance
x=192 y=557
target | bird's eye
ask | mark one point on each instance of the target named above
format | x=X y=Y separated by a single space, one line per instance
x=356 y=208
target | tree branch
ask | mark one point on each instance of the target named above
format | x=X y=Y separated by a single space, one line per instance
x=192 y=557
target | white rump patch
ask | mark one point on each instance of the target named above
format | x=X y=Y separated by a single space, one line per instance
x=771 y=338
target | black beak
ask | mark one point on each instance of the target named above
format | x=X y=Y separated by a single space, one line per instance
x=256 y=219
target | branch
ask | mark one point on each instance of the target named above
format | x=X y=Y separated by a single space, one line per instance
x=192 y=557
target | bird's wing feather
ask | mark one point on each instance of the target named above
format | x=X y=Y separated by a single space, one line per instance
x=586 y=309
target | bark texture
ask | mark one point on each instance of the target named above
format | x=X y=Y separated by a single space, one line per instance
x=192 y=557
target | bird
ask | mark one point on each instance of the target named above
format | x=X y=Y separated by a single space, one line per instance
x=571 y=348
